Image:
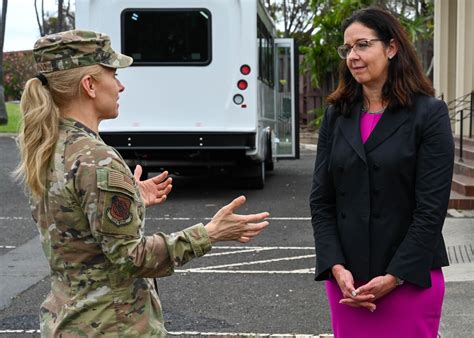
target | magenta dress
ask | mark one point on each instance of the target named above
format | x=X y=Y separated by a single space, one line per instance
x=408 y=311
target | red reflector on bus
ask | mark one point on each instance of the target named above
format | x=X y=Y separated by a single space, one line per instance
x=242 y=84
x=245 y=69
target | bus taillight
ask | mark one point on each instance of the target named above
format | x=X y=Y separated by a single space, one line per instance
x=242 y=84
x=245 y=69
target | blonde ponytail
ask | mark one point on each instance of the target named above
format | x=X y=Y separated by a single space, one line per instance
x=39 y=128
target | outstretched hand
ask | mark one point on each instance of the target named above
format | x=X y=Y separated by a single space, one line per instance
x=153 y=190
x=227 y=226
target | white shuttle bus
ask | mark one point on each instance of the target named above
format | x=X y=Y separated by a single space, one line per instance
x=211 y=87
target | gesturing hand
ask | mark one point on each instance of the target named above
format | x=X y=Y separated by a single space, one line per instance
x=227 y=226
x=153 y=190
x=353 y=298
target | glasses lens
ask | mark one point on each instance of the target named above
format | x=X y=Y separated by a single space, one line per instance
x=342 y=51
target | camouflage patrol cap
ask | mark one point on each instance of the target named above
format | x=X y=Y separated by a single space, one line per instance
x=76 y=48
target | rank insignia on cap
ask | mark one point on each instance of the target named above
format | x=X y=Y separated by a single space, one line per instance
x=119 y=211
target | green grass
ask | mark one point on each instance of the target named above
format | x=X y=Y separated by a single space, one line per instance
x=14 y=116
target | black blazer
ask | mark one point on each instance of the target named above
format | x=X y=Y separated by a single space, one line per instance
x=379 y=207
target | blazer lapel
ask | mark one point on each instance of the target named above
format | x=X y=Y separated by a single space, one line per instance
x=388 y=124
x=350 y=129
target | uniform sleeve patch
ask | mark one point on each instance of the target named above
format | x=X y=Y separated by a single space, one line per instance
x=119 y=211
x=117 y=179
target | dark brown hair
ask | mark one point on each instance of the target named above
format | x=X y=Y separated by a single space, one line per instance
x=405 y=79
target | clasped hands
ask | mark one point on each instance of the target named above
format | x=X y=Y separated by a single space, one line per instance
x=365 y=295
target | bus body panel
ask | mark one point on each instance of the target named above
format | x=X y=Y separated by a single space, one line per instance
x=167 y=110
x=188 y=98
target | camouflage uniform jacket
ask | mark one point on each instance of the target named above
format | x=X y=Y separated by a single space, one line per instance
x=91 y=221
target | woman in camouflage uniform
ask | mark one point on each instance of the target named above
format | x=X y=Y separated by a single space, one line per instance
x=89 y=207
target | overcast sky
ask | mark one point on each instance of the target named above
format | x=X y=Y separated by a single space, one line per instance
x=21 y=29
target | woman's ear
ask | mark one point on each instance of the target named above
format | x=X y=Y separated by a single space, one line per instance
x=88 y=86
x=392 y=49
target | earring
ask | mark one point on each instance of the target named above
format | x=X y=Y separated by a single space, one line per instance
x=390 y=57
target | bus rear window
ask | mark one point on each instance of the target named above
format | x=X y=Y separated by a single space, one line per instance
x=167 y=37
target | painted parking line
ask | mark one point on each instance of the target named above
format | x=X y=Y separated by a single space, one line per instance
x=206 y=334
x=256 y=249
x=28 y=218
x=7 y=247
x=230 y=268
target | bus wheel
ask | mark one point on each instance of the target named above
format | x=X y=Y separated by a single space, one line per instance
x=257 y=181
x=269 y=165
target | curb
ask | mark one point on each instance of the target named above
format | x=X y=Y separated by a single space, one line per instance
x=11 y=135
x=307 y=146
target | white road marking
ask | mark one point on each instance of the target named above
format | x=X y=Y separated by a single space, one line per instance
x=7 y=247
x=252 y=249
x=212 y=267
x=269 y=272
x=264 y=247
x=209 y=218
x=204 y=334
x=21 y=218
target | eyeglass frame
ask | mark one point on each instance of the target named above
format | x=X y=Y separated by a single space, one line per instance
x=353 y=45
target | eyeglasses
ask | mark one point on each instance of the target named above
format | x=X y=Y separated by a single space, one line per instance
x=358 y=46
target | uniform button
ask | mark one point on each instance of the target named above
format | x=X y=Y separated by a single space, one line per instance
x=341 y=168
x=343 y=215
x=342 y=193
x=376 y=167
x=377 y=216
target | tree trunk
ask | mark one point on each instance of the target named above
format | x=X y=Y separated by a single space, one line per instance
x=3 y=17
x=40 y=23
x=60 y=26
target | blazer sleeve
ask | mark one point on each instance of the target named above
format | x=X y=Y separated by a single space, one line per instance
x=434 y=169
x=323 y=204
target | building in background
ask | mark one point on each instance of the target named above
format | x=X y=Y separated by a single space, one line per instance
x=454 y=52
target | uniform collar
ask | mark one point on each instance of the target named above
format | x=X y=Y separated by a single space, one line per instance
x=71 y=123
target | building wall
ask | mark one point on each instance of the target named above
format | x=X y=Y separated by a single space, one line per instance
x=454 y=51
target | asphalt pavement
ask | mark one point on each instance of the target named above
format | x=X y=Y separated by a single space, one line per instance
x=265 y=287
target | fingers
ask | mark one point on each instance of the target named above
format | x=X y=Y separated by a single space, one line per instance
x=256 y=217
x=364 y=288
x=160 y=199
x=137 y=173
x=363 y=298
x=160 y=178
x=255 y=229
x=350 y=302
x=244 y=239
x=236 y=203
x=256 y=226
x=165 y=187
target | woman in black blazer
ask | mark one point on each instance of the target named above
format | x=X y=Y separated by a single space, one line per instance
x=381 y=187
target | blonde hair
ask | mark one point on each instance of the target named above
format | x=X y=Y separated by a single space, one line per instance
x=39 y=129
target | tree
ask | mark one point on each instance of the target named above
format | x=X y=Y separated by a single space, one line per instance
x=3 y=17
x=417 y=16
x=294 y=16
x=321 y=58
x=49 y=23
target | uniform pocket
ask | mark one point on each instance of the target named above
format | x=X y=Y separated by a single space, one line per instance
x=119 y=203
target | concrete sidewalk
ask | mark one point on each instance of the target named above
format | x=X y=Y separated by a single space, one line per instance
x=458 y=309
